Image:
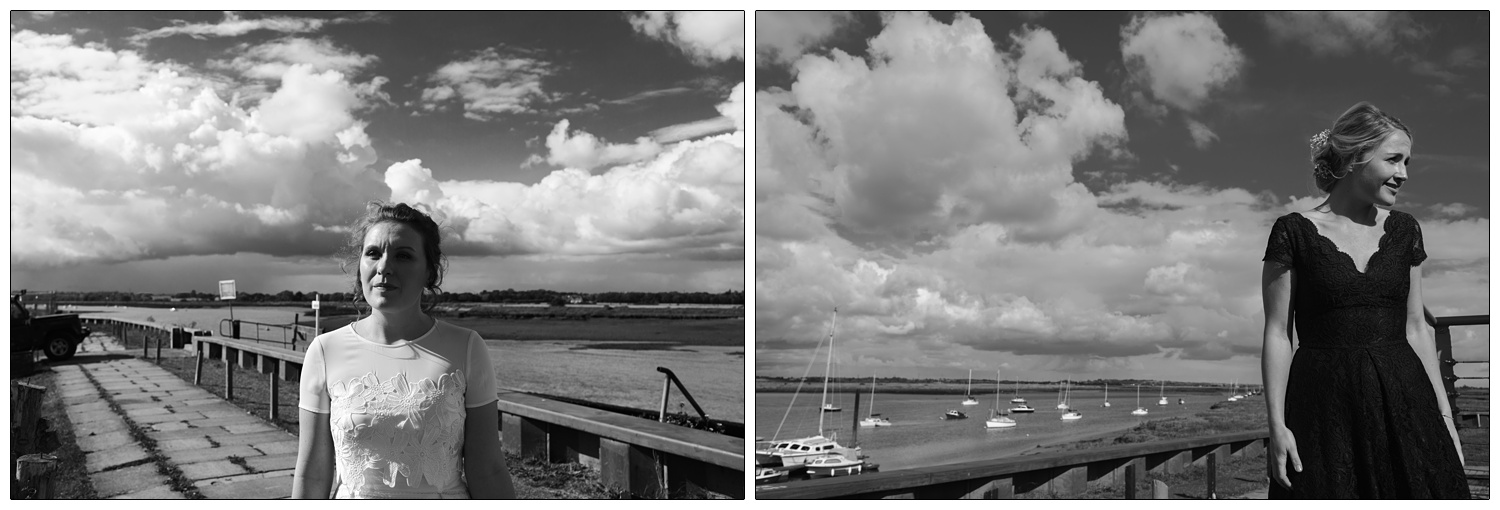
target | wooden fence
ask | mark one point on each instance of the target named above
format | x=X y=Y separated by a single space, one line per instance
x=637 y=455
x=1064 y=474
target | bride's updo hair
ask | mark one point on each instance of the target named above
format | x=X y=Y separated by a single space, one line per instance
x=1337 y=151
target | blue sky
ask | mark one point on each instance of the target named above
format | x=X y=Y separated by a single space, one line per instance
x=574 y=151
x=1082 y=195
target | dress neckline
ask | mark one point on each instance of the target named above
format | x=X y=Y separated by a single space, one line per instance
x=398 y=343
x=1385 y=231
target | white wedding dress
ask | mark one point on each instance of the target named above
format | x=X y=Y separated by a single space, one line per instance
x=396 y=412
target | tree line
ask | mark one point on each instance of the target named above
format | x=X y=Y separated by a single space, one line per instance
x=507 y=296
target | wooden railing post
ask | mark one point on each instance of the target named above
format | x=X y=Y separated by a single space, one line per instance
x=272 y=413
x=1213 y=466
x=228 y=376
x=26 y=409
x=197 y=363
x=1133 y=473
x=34 y=476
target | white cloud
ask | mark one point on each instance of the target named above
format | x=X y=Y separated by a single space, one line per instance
x=1453 y=210
x=1202 y=135
x=585 y=151
x=233 y=25
x=489 y=84
x=1339 y=33
x=782 y=37
x=685 y=200
x=731 y=118
x=153 y=163
x=705 y=36
x=1181 y=59
x=271 y=60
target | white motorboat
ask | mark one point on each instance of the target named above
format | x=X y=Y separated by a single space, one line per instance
x=830 y=408
x=768 y=475
x=874 y=419
x=834 y=465
x=1023 y=408
x=997 y=421
x=954 y=414
x=969 y=391
x=1072 y=415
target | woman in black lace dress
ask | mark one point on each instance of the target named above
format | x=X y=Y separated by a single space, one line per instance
x=1358 y=411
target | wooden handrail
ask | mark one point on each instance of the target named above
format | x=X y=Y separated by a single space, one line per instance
x=877 y=484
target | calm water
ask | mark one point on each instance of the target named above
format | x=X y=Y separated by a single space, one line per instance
x=919 y=437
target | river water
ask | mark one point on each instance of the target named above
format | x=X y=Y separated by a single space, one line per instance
x=714 y=374
x=919 y=437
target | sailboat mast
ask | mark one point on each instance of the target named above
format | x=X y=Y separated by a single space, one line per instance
x=872 y=395
x=828 y=365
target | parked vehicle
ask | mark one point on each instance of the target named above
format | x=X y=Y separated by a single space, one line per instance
x=57 y=335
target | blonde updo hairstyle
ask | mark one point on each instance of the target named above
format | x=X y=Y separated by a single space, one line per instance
x=1339 y=151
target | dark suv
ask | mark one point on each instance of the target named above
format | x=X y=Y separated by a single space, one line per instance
x=56 y=335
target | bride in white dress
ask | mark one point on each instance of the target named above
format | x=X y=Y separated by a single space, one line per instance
x=399 y=404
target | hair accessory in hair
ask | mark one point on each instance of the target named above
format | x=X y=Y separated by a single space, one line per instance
x=1318 y=141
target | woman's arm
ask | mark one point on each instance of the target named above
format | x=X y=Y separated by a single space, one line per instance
x=1276 y=283
x=313 y=478
x=1421 y=342
x=484 y=463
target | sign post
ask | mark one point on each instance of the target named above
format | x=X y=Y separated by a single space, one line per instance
x=226 y=293
x=317 y=316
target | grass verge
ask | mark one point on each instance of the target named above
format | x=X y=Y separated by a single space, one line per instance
x=72 y=477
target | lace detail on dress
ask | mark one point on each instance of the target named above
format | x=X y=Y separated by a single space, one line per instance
x=1358 y=400
x=382 y=429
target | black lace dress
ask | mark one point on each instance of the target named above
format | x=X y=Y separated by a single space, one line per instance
x=1358 y=400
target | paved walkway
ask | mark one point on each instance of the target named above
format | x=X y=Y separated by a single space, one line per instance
x=220 y=450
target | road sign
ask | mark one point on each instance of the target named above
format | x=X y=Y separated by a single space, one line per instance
x=226 y=289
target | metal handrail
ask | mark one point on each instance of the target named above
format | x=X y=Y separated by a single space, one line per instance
x=286 y=330
x=1443 y=338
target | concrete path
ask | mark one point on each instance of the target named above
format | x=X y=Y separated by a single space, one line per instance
x=211 y=447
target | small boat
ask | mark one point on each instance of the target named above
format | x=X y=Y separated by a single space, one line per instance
x=968 y=392
x=1018 y=399
x=1181 y=402
x=874 y=419
x=1163 y=400
x=997 y=421
x=1072 y=415
x=768 y=475
x=1139 y=411
x=830 y=408
x=1106 y=395
x=834 y=465
x=794 y=452
x=1023 y=408
x=1062 y=399
x=954 y=414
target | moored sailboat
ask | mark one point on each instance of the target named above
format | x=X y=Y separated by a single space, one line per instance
x=968 y=392
x=997 y=421
x=874 y=419
x=1106 y=395
x=796 y=452
x=1139 y=411
x=1163 y=400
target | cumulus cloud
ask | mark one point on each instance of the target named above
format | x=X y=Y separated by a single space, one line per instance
x=1340 y=33
x=782 y=37
x=489 y=84
x=272 y=59
x=1180 y=59
x=706 y=37
x=151 y=162
x=1202 y=135
x=233 y=25
x=684 y=200
x=585 y=151
x=926 y=191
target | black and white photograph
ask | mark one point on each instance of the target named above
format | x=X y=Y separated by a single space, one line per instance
x=411 y=255
x=1246 y=253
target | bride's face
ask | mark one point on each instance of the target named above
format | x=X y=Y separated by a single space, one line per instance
x=1380 y=179
x=392 y=267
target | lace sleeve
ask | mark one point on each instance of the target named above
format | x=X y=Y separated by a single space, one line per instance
x=1279 y=246
x=1418 y=253
x=314 y=381
x=481 y=374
